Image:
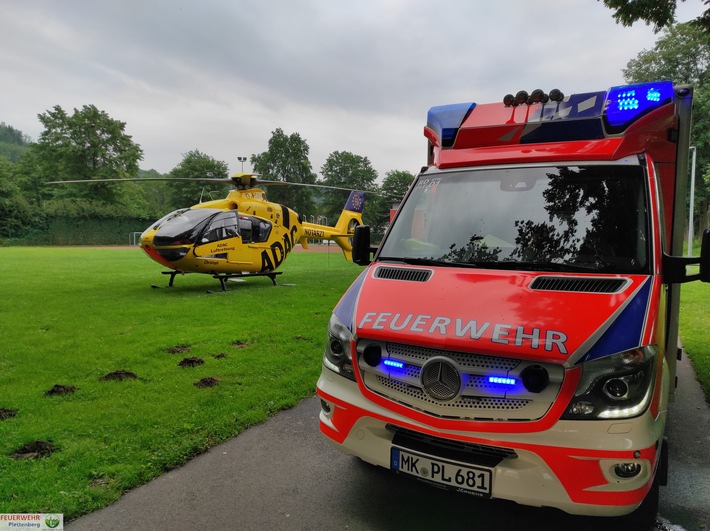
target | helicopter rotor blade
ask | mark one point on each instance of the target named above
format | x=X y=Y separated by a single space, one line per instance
x=238 y=179
x=289 y=183
x=202 y=180
x=142 y=179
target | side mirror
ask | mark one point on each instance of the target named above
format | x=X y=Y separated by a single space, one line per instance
x=674 y=267
x=361 y=245
x=705 y=257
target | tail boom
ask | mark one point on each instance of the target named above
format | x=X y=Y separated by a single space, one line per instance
x=342 y=233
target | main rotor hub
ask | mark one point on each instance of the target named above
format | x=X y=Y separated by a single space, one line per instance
x=244 y=180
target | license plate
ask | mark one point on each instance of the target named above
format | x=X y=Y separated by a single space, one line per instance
x=463 y=478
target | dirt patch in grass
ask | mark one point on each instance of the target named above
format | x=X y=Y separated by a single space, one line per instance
x=98 y=482
x=179 y=349
x=207 y=382
x=240 y=344
x=60 y=390
x=191 y=362
x=7 y=413
x=220 y=356
x=34 y=450
x=119 y=376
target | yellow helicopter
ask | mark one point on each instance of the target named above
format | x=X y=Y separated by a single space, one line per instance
x=240 y=235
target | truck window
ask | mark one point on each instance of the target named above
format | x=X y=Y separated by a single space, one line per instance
x=567 y=218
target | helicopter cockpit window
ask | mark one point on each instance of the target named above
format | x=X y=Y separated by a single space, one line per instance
x=183 y=227
x=254 y=230
x=166 y=217
x=221 y=227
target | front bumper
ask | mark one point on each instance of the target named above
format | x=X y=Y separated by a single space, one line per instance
x=569 y=466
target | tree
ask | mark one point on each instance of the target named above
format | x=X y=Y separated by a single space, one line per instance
x=198 y=165
x=86 y=145
x=157 y=194
x=394 y=186
x=15 y=212
x=658 y=13
x=286 y=160
x=13 y=143
x=28 y=177
x=346 y=170
x=682 y=54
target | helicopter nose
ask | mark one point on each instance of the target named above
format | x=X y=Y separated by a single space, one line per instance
x=147 y=246
x=153 y=254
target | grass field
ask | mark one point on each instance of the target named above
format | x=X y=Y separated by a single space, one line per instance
x=71 y=316
x=695 y=329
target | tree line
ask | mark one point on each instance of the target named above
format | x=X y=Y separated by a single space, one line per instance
x=89 y=145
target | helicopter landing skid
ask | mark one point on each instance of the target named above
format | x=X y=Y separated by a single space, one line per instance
x=226 y=276
x=222 y=277
x=172 y=277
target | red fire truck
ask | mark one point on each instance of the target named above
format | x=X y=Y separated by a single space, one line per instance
x=515 y=333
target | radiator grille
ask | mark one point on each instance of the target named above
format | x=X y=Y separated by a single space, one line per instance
x=403 y=273
x=479 y=396
x=579 y=284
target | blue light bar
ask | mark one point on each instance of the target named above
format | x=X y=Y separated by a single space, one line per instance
x=445 y=120
x=627 y=103
x=502 y=380
x=394 y=363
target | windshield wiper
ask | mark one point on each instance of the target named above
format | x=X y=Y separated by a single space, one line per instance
x=592 y=267
x=425 y=261
x=515 y=264
x=561 y=267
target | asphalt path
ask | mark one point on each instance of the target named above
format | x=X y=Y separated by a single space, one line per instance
x=283 y=474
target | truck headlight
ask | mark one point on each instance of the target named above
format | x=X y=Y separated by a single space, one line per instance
x=337 y=356
x=615 y=387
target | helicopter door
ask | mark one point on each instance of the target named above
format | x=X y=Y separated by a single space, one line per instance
x=220 y=237
x=254 y=230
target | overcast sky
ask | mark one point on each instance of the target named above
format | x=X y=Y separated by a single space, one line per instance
x=347 y=75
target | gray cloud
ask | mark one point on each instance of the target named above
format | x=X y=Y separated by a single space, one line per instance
x=219 y=76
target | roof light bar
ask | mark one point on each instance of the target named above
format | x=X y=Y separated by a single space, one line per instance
x=627 y=103
x=445 y=120
x=553 y=117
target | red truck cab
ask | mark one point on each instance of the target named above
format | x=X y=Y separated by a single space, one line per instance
x=515 y=334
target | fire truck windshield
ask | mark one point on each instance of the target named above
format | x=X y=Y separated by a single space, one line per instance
x=559 y=218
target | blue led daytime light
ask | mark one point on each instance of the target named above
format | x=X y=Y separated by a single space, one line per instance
x=394 y=363
x=502 y=380
x=627 y=103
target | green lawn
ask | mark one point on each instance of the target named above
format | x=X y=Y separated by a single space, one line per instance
x=695 y=329
x=72 y=315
